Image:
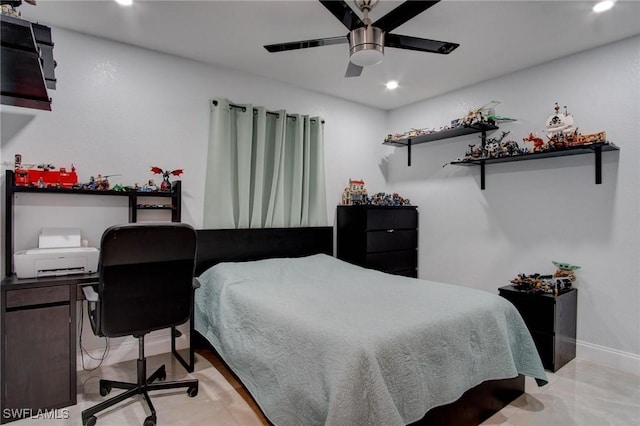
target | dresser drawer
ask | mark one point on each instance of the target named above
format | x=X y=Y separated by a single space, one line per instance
x=391 y=239
x=393 y=261
x=392 y=218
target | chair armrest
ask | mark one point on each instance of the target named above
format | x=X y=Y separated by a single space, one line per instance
x=196 y=283
x=90 y=294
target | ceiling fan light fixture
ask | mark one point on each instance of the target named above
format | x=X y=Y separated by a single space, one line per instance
x=366 y=46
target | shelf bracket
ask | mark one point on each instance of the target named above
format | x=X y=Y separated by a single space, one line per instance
x=482 y=163
x=598 y=154
x=409 y=153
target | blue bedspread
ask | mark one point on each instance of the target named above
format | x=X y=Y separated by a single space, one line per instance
x=319 y=341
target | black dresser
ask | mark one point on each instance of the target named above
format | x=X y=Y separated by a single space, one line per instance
x=551 y=321
x=379 y=237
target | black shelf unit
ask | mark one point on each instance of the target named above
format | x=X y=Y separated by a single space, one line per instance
x=596 y=148
x=174 y=196
x=443 y=134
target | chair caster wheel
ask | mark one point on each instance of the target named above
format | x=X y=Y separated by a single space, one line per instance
x=104 y=390
x=193 y=391
x=150 y=421
x=91 y=421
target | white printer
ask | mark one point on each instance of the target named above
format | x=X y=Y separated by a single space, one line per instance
x=59 y=252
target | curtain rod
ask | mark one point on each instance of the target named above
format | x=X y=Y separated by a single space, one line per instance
x=277 y=114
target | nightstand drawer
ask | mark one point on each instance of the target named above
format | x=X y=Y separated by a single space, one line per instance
x=393 y=261
x=391 y=240
x=392 y=218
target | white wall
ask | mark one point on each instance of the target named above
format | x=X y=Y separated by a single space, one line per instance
x=537 y=211
x=119 y=109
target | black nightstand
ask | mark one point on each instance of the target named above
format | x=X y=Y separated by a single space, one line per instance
x=551 y=321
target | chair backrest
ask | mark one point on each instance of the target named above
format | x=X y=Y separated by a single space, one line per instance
x=146 y=277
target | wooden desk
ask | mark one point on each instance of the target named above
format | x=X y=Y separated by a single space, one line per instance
x=38 y=348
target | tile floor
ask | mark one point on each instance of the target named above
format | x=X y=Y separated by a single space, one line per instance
x=581 y=393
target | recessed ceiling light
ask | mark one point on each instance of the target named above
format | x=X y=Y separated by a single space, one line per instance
x=603 y=5
x=124 y=2
x=391 y=85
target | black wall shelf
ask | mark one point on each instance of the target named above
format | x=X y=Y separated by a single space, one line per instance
x=443 y=134
x=596 y=148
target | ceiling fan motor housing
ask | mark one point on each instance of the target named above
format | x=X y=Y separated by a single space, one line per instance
x=366 y=45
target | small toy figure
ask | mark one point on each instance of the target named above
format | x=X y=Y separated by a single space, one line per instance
x=102 y=183
x=150 y=186
x=479 y=115
x=166 y=185
x=535 y=283
x=538 y=144
x=565 y=276
x=559 y=125
x=92 y=183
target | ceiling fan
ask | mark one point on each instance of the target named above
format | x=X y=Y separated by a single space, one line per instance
x=367 y=40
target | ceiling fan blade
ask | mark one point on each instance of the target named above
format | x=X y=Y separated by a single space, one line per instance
x=344 y=13
x=304 y=44
x=353 y=70
x=419 y=44
x=402 y=14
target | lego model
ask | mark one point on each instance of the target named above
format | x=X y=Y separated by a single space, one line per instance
x=166 y=185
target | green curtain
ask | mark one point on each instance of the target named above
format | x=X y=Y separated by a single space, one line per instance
x=264 y=169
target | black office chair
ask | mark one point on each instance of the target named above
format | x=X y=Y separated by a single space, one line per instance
x=146 y=284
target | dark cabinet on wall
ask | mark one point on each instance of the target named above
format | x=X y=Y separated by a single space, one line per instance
x=379 y=237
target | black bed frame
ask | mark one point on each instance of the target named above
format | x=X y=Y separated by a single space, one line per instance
x=241 y=245
x=238 y=245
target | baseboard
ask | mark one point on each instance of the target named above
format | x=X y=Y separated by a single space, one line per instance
x=624 y=361
x=127 y=349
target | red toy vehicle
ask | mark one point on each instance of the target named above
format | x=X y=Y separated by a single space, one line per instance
x=45 y=177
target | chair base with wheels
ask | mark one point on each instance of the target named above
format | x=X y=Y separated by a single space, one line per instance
x=143 y=386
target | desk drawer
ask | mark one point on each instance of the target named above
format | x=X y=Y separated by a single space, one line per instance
x=37 y=296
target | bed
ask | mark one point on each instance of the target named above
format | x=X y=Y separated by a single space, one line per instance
x=319 y=341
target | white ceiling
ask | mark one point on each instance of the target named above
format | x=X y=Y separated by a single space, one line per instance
x=496 y=37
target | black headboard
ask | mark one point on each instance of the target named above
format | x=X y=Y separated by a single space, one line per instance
x=238 y=245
